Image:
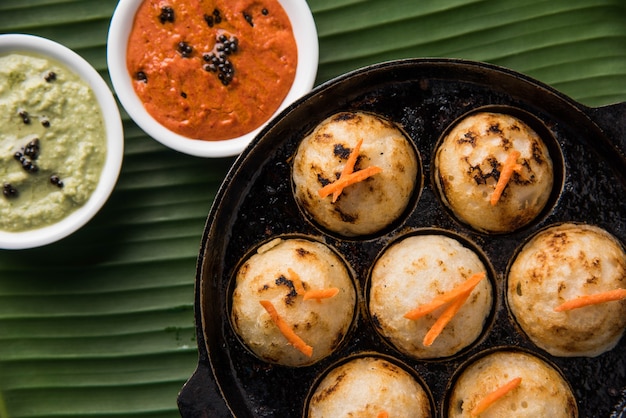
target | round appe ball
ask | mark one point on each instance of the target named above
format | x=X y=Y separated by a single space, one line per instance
x=367 y=387
x=411 y=273
x=559 y=264
x=542 y=391
x=370 y=205
x=470 y=160
x=273 y=274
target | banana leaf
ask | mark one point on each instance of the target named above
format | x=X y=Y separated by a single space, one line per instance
x=101 y=323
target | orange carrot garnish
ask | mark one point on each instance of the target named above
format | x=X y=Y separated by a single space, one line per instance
x=586 y=300
x=382 y=414
x=446 y=297
x=510 y=165
x=321 y=293
x=492 y=397
x=284 y=328
x=348 y=180
x=349 y=167
x=297 y=283
x=445 y=318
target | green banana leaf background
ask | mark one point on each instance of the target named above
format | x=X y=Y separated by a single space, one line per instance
x=101 y=323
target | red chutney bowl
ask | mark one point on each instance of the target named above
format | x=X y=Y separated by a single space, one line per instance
x=170 y=78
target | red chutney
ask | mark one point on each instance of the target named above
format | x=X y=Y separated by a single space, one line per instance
x=211 y=69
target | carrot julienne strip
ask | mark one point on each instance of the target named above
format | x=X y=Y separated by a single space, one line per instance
x=348 y=180
x=321 y=293
x=297 y=283
x=510 y=165
x=492 y=397
x=286 y=330
x=446 y=297
x=349 y=167
x=382 y=414
x=445 y=318
x=594 y=299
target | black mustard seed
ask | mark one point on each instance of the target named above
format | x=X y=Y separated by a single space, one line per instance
x=50 y=77
x=248 y=18
x=265 y=12
x=25 y=117
x=217 y=16
x=28 y=166
x=184 y=49
x=167 y=15
x=32 y=149
x=217 y=61
x=27 y=155
x=209 y=20
x=141 y=76
x=9 y=191
x=55 y=180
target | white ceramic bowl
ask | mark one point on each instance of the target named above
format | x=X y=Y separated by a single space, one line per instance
x=114 y=139
x=308 y=53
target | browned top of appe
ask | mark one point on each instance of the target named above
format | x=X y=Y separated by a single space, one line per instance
x=472 y=160
x=561 y=264
x=541 y=390
x=281 y=272
x=372 y=204
x=369 y=387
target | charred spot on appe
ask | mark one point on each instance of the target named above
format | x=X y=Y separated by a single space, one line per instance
x=344 y=116
x=283 y=281
x=346 y=217
x=477 y=174
x=323 y=180
x=301 y=252
x=389 y=367
x=536 y=151
x=340 y=151
x=468 y=138
x=495 y=128
x=558 y=241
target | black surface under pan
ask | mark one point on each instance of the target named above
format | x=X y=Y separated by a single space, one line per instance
x=424 y=96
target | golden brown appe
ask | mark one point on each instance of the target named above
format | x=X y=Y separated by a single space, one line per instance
x=411 y=273
x=266 y=276
x=470 y=161
x=561 y=263
x=366 y=387
x=542 y=392
x=371 y=205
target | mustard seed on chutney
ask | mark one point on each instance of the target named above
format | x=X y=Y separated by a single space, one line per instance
x=211 y=70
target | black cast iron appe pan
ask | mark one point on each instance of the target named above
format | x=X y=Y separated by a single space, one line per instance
x=255 y=203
